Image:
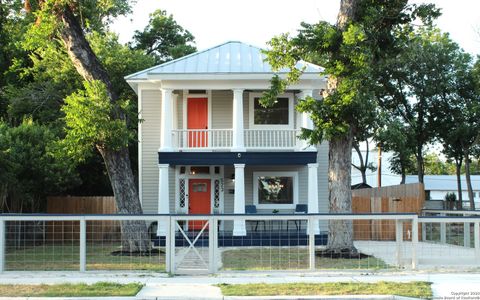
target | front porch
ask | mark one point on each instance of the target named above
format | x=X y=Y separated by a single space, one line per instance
x=226 y=183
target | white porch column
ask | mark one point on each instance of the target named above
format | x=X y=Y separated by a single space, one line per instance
x=163 y=198
x=306 y=121
x=238 y=133
x=166 y=121
x=239 y=199
x=313 y=193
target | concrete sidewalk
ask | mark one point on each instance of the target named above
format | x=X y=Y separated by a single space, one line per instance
x=160 y=286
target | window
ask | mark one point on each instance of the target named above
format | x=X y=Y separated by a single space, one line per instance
x=199 y=170
x=277 y=116
x=275 y=189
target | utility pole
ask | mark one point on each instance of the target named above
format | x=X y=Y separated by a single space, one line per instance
x=379 y=168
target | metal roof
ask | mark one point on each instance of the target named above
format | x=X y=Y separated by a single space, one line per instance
x=444 y=182
x=229 y=58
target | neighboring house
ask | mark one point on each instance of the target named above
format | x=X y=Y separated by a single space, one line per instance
x=206 y=145
x=437 y=186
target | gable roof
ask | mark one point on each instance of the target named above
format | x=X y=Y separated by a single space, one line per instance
x=228 y=58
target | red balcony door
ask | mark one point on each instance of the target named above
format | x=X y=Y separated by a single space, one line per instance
x=199 y=201
x=197 y=121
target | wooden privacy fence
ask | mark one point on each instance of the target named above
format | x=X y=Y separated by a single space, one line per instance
x=96 y=230
x=403 y=198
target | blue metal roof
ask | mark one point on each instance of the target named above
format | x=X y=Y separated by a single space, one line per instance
x=229 y=58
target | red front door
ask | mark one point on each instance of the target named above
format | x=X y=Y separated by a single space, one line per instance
x=197 y=122
x=199 y=201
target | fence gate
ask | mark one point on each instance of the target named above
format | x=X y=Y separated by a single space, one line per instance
x=192 y=245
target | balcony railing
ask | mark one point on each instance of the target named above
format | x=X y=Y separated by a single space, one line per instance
x=223 y=139
x=271 y=139
x=203 y=138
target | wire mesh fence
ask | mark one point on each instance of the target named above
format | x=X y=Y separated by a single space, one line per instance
x=223 y=243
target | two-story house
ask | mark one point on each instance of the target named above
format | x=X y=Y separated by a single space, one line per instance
x=206 y=145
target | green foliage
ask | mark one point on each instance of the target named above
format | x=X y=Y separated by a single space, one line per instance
x=164 y=38
x=93 y=15
x=29 y=170
x=91 y=122
x=349 y=52
x=450 y=197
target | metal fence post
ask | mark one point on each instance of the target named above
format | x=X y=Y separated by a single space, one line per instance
x=171 y=246
x=211 y=253
x=399 y=241
x=216 y=254
x=2 y=245
x=83 y=245
x=443 y=230
x=466 y=234
x=414 y=242
x=167 y=244
x=311 y=243
x=477 y=240
x=424 y=232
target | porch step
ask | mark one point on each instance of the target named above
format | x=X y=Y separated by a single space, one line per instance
x=256 y=238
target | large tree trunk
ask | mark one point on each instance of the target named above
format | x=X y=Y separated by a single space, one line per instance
x=404 y=174
x=340 y=233
x=135 y=236
x=469 y=182
x=420 y=164
x=458 y=170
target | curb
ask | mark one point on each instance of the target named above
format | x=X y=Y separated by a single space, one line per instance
x=357 y=297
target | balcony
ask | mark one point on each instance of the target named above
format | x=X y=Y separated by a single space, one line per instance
x=222 y=139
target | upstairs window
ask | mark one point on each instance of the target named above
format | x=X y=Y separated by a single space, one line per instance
x=277 y=116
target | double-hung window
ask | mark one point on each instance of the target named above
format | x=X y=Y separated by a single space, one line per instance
x=277 y=116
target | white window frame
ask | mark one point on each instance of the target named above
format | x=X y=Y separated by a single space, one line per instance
x=275 y=206
x=251 y=119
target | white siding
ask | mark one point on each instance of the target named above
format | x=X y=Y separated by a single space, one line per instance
x=222 y=109
x=149 y=137
x=322 y=160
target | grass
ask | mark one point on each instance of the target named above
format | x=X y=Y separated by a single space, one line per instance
x=454 y=234
x=417 y=289
x=70 y=290
x=280 y=258
x=66 y=257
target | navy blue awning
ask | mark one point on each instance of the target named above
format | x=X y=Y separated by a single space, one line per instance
x=230 y=158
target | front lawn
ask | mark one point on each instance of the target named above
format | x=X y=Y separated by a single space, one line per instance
x=417 y=289
x=100 y=289
x=60 y=257
x=284 y=258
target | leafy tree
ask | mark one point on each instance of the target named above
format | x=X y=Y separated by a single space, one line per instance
x=415 y=81
x=61 y=19
x=394 y=137
x=457 y=115
x=164 y=38
x=30 y=171
x=451 y=199
x=362 y=36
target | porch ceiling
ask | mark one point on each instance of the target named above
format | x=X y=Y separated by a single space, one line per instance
x=230 y=158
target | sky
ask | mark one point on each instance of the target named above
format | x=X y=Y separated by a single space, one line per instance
x=213 y=22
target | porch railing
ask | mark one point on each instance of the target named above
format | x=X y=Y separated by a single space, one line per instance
x=271 y=139
x=202 y=138
x=223 y=138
